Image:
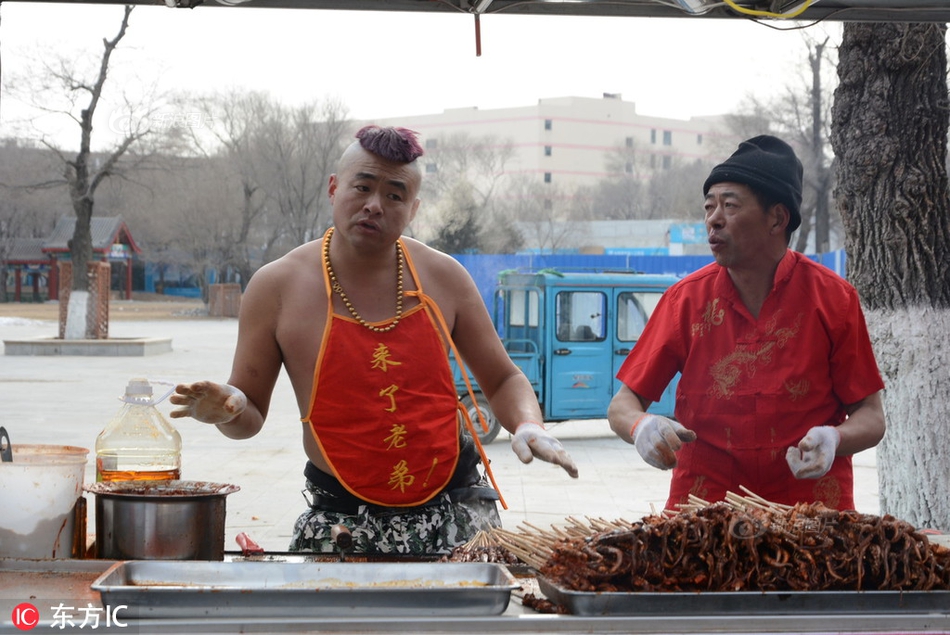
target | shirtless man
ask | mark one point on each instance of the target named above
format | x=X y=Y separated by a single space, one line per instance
x=375 y=392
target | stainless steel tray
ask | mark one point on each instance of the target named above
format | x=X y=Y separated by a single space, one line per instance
x=162 y=589
x=746 y=602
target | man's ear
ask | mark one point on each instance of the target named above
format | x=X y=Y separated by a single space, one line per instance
x=331 y=186
x=782 y=217
x=415 y=208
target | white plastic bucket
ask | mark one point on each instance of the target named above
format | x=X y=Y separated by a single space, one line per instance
x=38 y=491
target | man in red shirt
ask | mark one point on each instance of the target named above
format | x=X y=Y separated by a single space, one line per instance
x=779 y=384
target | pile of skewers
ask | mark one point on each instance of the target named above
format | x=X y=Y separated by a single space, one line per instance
x=742 y=543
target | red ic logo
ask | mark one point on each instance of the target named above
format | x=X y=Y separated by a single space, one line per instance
x=25 y=616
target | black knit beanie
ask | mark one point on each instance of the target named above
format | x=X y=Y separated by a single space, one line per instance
x=768 y=165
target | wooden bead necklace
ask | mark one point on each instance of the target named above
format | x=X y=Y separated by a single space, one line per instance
x=338 y=288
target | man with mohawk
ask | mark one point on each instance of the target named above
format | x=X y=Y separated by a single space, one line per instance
x=363 y=320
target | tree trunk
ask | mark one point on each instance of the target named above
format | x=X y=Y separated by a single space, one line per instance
x=889 y=133
x=822 y=241
x=80 y=245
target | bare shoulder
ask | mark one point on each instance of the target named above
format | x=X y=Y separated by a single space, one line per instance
x=279 y=281
x=435 y=266
x=446 y=281
x=290 y=269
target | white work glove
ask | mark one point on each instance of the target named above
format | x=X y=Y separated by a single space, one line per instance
x=531 y=440
x=657 y=439
x=814 y=454
x=208 y=402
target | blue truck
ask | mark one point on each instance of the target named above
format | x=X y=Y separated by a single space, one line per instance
x=570 y=332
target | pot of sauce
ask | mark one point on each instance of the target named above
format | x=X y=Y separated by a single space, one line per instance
x=160 y=520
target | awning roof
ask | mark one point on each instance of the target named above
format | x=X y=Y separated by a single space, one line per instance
x=837 y=10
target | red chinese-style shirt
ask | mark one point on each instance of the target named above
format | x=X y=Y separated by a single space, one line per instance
x=751 y=388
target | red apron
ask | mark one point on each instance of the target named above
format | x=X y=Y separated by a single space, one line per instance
x=384 y=410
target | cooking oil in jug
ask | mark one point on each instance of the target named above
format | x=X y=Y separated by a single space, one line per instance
x=139 y=444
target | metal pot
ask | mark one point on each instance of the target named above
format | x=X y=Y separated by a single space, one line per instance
x=160 y=520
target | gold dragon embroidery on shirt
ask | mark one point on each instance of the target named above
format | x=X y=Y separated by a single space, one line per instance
x=728 y=371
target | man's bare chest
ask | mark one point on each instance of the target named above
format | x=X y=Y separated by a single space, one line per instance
x=299 y=335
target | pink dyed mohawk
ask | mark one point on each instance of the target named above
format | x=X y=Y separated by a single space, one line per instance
x=393 y=144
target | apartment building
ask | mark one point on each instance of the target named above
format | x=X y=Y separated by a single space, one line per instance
x=567 y=142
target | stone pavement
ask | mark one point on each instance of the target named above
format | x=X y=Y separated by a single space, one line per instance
x=67 y=400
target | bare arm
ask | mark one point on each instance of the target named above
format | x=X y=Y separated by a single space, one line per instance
x=239 y=408
x=509 y=392
x=864 y=427
x=507 y=389
x=624 y=410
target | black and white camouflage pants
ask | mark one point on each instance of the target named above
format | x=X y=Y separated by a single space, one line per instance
x=436 y=528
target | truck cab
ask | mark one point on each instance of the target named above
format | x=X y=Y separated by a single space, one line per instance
x=569 y=332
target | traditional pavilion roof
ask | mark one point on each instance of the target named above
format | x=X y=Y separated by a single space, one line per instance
x=28 y=251
x=106 y=231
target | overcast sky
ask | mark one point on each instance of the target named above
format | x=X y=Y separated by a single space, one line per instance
x=388 y=64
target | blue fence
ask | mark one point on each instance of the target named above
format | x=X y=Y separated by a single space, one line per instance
x=484 y=268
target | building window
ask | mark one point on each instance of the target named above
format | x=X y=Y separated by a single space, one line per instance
x=548 y=204
x=652 y=161
x=547 y=151
x=548 y=124
x=547 y=177
x=431 y=168
x=629 y=142
x=667 y=162
x=699 y=139
x=653 y=136
x=667 y=137
x=432 y=144
x=628 y=167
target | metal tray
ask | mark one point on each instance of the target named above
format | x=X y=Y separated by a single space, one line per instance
x=746 y=602
x=163 y=589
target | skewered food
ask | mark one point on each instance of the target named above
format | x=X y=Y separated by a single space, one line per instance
x=752 y=546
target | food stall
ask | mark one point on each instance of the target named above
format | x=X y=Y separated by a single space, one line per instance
x=695 y=572
x=185 y=608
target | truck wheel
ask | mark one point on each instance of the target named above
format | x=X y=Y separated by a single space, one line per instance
x=494 y=427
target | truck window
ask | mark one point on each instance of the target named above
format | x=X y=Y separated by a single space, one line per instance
x=580 y=316
x=633 y=311
x=518 y=318
x=524 y=308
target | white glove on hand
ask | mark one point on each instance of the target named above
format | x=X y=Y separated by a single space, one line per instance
x=208 y=402
x=814 y=454
x=657 y=439
x=531 y=440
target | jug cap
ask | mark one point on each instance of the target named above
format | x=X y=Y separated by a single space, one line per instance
x=139 y=391
x=138 y=387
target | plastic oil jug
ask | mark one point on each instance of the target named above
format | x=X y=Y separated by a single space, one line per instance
x=139 y=444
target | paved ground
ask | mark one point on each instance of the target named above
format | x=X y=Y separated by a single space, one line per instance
x=68 y=400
